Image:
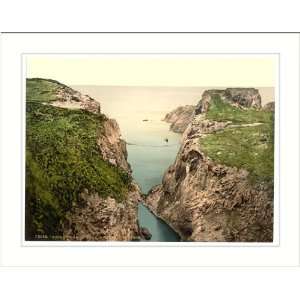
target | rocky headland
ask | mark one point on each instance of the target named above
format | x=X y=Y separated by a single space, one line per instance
x=78 y=181
x=220 y=187
x=180 y=118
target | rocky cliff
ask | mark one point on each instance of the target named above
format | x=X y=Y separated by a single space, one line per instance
x=78 y=182
x=220 y=187
x=238 y=97
x=180 y=118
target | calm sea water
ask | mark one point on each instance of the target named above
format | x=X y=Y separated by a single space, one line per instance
x=148 y=153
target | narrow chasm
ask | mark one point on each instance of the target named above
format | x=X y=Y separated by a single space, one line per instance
x=145 y=172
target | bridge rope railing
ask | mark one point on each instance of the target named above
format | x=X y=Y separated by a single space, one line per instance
x=152 y=146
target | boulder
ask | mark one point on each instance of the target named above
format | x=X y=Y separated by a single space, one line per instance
x=145 y=233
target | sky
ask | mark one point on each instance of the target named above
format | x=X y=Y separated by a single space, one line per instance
x=156 y=70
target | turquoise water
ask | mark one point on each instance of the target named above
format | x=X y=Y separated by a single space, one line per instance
x=148 y=153
x=149 y=159
x=161 y=232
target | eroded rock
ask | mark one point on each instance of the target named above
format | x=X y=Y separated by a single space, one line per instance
x=103 y=219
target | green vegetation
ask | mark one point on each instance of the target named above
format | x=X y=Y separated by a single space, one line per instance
x=63 y=159
x=250 y=148
x=41 y=90
x=221 y=111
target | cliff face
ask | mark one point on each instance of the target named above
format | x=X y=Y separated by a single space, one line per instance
x=106 y=218
x=180 y=118
x=220 y=187
x=78 y=181
x=103 y=218
x=112 y=147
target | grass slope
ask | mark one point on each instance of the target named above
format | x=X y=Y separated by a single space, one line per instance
x=41 y=90
x=250 y=148
x=62 y=159
x=221 y=111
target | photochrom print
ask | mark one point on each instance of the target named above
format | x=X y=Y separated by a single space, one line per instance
x=163 y=148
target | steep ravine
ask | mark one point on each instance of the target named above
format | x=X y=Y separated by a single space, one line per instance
x=80 y=186
x=220 y=187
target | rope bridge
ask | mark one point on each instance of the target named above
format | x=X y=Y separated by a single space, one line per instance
x=152 y=146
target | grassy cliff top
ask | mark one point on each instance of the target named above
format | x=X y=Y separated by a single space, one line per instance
x=42 y=90
x=63 y=159
x=220 y=110
x=250 y=148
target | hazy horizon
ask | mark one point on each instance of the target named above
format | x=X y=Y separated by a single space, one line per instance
x=156 y=98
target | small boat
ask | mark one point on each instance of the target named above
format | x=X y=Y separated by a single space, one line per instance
x=145 y=120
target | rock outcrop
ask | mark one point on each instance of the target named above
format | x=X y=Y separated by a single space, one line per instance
x=240 y=97
x=204 y=199
x=270 y=106
x=180 y=118
x=66 y=97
